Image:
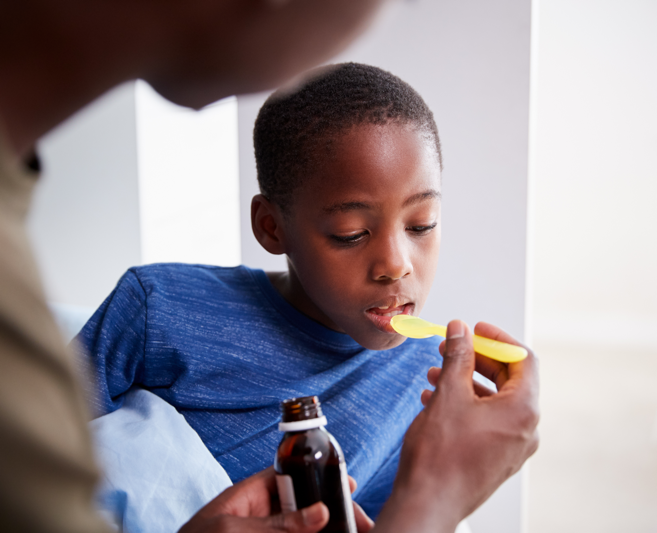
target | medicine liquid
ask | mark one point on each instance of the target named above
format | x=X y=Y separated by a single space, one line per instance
x=310 y=466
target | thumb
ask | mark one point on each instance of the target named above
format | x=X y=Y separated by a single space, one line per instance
x=308 y=520
x=458 y=359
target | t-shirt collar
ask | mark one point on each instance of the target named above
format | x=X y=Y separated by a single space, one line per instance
x=312 y=328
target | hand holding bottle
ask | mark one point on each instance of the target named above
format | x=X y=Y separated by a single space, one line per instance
x=246 y=507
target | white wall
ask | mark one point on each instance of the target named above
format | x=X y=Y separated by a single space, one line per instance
x=470 y=61
x=84 y=221
x=595 y=172
x=134 y=179
x=188 y=180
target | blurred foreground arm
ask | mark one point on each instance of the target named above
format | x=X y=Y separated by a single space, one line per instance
x=466 y=442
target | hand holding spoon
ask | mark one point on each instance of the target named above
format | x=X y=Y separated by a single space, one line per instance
x=416 y=328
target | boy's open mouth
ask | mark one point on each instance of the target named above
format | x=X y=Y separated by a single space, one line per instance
x=381 y=316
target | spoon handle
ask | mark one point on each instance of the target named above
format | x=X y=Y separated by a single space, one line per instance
x=500 y=351
x=436 y=329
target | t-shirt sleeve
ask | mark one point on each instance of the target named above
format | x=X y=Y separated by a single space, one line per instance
x=113 y=343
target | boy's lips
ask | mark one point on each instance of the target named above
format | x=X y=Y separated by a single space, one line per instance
x=381 y=315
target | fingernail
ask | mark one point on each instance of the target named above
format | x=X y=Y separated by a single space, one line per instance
x=455 y=330
x=313 y=515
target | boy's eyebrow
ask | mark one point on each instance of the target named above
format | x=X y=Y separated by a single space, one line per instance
x=421 y=196
x=344 y=207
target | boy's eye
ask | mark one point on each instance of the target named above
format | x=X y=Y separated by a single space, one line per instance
x=349 y=239
x=421 y=230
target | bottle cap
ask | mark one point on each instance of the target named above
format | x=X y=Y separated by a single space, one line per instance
x=300 y=414
x=302 y=425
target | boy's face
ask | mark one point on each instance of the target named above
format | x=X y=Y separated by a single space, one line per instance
x=363 y=234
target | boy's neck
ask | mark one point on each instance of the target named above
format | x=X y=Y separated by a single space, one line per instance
x=289 y=287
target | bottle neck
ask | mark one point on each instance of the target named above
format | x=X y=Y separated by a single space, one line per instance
x=302 y=425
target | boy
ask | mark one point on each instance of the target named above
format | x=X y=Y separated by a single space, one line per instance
x=349 y=170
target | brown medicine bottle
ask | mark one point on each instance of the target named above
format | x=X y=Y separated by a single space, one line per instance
x=310 y=466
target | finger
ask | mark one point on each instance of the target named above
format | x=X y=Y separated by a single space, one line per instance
x=433 y=374
x=308 y=520
x=497 y=372
x=363 y=522
x=522 y=385
x=250 y=497
x=484 y=329
x=426 y=397
x=479 y=389
x=268 y=478
x=494 y=370
x=353 y=485
x=523 y=381
x=441 y=347
x=524 y=373
x=458 y=360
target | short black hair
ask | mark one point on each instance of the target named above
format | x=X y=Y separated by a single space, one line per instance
x=291 y=124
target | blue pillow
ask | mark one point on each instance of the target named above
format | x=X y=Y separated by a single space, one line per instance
x=157 y=473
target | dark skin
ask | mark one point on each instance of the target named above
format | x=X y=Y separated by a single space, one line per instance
x=363 y=235
x=252 y=506
x=56 y=57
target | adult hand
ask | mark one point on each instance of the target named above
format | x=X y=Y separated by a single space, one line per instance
x=467 y=441
x=251 y=506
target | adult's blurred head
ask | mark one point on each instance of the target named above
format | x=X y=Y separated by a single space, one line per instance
x=58 y=55
x=217 y=48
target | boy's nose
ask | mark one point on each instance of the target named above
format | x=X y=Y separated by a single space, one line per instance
x=391 y=262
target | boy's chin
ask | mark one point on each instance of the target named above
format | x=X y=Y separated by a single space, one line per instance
x=382 y=341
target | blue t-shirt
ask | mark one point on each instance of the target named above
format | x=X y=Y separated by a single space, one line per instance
x=224 y=348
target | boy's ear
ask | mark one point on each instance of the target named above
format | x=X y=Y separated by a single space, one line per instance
x=266 y=223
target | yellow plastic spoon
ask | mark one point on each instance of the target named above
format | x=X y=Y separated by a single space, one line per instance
x=416 y=328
